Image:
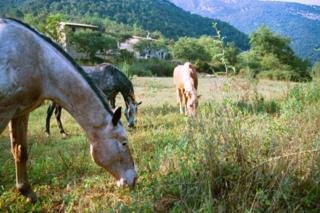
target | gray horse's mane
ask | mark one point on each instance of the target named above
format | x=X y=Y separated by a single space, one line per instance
x=70 y=59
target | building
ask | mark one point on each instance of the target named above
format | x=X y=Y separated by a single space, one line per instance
x=144 y=54
x=66 y=27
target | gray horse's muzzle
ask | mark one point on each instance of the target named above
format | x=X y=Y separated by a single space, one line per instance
x=131 y=124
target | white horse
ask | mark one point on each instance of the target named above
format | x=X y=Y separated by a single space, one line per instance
x=186 y=81
x=32 y=69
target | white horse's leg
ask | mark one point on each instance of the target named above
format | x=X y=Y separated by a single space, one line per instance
x=185 y=102
x=18 y=134
x=180 y=100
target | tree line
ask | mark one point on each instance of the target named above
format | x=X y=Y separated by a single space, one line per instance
x=269 y=56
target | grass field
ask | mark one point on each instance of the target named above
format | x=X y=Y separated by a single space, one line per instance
x=253 y=147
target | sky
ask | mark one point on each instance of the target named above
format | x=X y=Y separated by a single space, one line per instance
x=313 y=2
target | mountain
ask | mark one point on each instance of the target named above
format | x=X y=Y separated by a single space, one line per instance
x=301 y=23
x=153 y=15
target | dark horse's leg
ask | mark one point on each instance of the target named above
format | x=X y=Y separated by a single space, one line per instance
x=58 y=117
x=18 y=135
x=50 y=110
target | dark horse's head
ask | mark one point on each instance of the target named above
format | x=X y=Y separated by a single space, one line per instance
x=131 y=110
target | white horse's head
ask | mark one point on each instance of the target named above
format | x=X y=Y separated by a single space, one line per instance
x=192 y=102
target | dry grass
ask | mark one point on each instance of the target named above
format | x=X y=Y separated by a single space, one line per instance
x=159 y=91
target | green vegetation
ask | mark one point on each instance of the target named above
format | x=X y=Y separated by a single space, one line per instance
x=230 y=158
x=150 y=67
x=147 y=45
x=300 y=23
x=150 y=15
x=188 y=49
x=316 y=69
x=253 y=147
x=270 y=56
x=92 y=43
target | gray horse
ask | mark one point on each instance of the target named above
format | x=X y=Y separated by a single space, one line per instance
x=34 y=69
x=111 y=81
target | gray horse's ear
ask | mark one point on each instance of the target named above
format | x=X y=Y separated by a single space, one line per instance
x=139 y=103
x=116 y=116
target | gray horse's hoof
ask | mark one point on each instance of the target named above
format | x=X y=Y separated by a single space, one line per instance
x=32 y=197
x=26 y=191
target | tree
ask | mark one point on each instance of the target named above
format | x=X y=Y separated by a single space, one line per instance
x=211 y=46
x=275 y=56
x=147 y=45
x=91 y=42
x=231 y=53
x=52 y=25
x=264 y=42
x=189 y=49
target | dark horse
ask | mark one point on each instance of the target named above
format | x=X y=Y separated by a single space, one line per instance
x=111 y=81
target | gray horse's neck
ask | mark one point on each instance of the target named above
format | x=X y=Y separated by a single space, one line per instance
x=53 y=74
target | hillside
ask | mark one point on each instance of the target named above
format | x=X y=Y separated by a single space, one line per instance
x=153 y=15
x=301 y=23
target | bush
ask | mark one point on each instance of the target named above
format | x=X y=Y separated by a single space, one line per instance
x=277 y=74
x=125 y=56
x=152 y=67
x=204 y=67
x=138 y=69
x=301 y=96
x=316 y=70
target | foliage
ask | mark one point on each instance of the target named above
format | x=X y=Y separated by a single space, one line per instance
x=52 y=25
x=145 y=46
x=190 y=50
x=316 y=69
x=298 y=22
x=263 y=42
x=271 y=56
x=124 y=56
x=208 y=53
x=151 y=67
x=150 y=15
x=91 y=42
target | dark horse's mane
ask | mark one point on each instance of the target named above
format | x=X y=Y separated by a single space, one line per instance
x=71 y=60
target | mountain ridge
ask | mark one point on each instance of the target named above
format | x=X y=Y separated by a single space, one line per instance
x=299 y=22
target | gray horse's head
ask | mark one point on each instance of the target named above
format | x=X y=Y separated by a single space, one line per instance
x=131 y=110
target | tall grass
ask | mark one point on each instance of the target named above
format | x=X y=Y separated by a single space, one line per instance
x=232 y=157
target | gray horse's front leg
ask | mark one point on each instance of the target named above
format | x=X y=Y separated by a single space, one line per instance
x=18 y=135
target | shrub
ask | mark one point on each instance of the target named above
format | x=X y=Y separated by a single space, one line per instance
x=316 y=69
x=301 y=96
x=152 y=67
